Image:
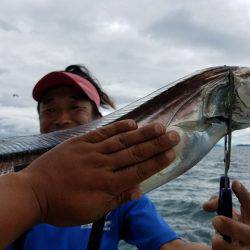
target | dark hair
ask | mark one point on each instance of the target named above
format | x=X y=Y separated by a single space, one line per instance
x=82 y=71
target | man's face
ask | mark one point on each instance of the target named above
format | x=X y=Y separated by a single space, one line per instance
x=63 y=108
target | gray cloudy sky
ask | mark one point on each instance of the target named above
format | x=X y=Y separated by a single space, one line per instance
x=133 y=47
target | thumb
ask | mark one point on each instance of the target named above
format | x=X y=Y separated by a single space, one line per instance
x=211 y=205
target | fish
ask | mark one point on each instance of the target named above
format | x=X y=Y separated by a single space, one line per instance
x=196 y=106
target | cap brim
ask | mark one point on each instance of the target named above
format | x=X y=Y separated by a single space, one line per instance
x=61 y=78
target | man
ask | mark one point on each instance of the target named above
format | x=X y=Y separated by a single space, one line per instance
x=68 y=99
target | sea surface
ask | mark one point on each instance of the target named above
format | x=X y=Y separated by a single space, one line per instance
x=180 y=201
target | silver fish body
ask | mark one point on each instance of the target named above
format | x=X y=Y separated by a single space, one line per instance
x=201 y=119
x=195 y=106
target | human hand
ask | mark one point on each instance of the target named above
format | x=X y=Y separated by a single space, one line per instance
x=83 y=178
x=238 y=228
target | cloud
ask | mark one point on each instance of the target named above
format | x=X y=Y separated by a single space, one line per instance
x=3 y=71
x=7 y=26
x=17 y=121
x=186 y=28
x=133 y=49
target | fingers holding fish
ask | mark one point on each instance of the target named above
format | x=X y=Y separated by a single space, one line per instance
x=91 y=181
x=139 y=172
x=145 y=150
x=130 y=138
x=108 y=131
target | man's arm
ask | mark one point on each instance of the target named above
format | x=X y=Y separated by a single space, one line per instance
x=83 y=178
x=19 y=209
x=182 y=245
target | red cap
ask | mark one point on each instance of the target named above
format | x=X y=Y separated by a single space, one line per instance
x=59 y=78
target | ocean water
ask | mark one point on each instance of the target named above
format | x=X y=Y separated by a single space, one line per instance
x=180 y=201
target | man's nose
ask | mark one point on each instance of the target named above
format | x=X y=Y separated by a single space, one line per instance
x=63 y=118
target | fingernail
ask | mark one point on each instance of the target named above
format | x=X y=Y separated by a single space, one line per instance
x=216 y=221
x=132 y=124
x=237 y=185
x=159 y=129
x=170 y=154
x=173 y=137
x=206 y=203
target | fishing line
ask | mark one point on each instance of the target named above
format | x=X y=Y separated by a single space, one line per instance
x=225 y=194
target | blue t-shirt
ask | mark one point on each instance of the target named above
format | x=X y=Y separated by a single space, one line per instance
x=137 y=222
